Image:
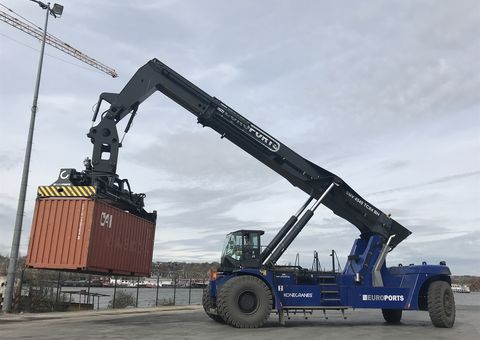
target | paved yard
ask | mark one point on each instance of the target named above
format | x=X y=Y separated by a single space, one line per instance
x=192 y=323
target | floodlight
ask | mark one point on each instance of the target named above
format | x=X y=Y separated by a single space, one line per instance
x=57 y=10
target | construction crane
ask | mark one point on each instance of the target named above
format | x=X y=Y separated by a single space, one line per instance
x=53 y=41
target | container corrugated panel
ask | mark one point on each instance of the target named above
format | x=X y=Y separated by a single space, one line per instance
x=88 y=235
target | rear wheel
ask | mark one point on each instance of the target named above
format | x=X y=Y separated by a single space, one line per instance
x=245 y=302
x=392 y=315
x=208 y=305
x=441 y=304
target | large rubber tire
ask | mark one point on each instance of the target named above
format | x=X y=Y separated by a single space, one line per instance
x=441 y=304
x=207 y=305
x=392 y=315
x=245 y=302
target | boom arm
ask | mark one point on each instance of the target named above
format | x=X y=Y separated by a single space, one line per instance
x=211 y=112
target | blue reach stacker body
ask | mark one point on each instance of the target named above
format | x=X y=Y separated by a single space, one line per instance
x=249 y=284
x=365 y=282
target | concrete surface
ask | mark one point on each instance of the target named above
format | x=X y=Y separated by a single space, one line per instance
x=190 y=322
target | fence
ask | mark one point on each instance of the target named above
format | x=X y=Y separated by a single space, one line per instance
x=45 y=290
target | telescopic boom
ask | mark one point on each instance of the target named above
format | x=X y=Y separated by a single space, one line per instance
x=211 y=112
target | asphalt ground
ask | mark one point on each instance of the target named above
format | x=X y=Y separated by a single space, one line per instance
x=191 y=323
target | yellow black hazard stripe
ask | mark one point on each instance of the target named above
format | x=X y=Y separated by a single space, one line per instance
x=66 y=191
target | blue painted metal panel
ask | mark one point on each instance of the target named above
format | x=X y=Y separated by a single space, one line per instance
x=401 y=285
x=300 y=295
x=420 y=269
x=379 y=297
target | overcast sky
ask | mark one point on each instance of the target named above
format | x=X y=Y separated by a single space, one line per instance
x=385 y=94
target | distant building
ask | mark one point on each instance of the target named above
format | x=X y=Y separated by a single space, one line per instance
x=143 y=282
x=459 y=288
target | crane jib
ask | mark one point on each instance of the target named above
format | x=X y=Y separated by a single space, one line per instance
x=212 y=112
x=250 y=129
x=363 y=203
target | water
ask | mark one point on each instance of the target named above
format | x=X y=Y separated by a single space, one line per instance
x=146 y=296
x=467 y=299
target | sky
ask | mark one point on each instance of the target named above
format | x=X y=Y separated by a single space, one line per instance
x=384 y=94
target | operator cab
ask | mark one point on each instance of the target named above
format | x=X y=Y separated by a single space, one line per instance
x=241 y=250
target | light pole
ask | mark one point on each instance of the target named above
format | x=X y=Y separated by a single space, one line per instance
x=56 y=11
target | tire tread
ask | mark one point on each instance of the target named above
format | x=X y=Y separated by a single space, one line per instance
x=436 y=308
x=226 y=312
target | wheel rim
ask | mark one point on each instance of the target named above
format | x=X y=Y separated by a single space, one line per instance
x=247 y=302
x=448 y=303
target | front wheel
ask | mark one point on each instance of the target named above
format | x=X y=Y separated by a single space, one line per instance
x=245 y=302
x=441 y=304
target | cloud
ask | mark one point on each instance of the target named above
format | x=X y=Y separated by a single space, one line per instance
x=200 y=156
x=223 y=72
x=433 y=182
x=385 y=96
x=9 y=161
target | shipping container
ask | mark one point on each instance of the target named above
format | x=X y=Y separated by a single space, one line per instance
x=87 y=235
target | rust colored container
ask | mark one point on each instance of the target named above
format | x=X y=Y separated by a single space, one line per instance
x=88 y=235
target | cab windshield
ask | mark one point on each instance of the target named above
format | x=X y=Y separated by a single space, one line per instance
x=240 y=247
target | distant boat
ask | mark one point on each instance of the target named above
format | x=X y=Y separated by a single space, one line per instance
x=458 y=288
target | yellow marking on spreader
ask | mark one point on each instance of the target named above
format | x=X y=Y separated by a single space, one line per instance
x=83 y=191
x=66 y=191
x=77 y=192
x=42 y=191
x=50 y=191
